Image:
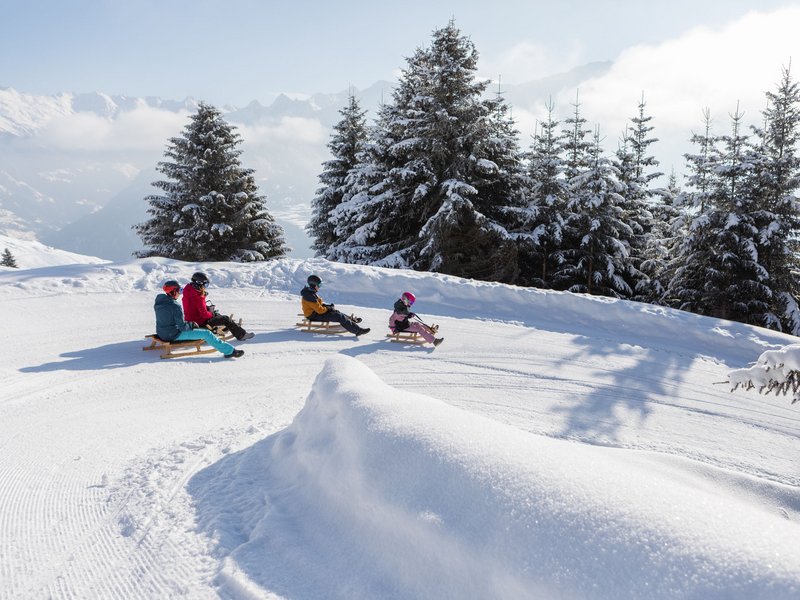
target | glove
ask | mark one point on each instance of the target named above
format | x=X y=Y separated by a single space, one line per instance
x=412 y=315
x=329 y=306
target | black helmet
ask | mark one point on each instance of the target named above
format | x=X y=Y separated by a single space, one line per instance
x=171 y=286
x=200 y=279
x=314 y=281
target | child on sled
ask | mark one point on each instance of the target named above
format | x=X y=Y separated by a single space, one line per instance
x=400 y=320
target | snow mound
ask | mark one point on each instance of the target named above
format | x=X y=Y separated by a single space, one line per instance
x=377 y=493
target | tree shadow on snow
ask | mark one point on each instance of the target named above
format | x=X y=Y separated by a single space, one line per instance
x=620 y=397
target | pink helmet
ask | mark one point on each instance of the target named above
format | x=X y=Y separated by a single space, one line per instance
x=408 y=298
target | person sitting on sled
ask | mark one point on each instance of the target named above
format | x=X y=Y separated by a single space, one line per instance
x=399 y=321
x=315 y=309
x=197 y=308
x=171 y=327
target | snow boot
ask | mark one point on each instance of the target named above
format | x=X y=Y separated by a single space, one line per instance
x=438 y=341
x=235 y=354
x=246 y=336
x=362 y=331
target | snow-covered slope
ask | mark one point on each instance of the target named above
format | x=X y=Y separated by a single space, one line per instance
x=30 y=254
x=555 y=446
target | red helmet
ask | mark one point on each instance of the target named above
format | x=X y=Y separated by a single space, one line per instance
x=171 y=286
x=408 y=298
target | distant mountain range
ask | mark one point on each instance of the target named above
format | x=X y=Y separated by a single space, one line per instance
x=75 y=168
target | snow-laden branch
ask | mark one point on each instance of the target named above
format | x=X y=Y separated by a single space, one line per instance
x=775 y=372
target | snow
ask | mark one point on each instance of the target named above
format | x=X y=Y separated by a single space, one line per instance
x=554 y=446
x=30 y=254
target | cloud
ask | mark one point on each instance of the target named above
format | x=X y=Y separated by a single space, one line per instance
x=287 y=129
x=713 y=68
x=528 y=61
x=143 y=128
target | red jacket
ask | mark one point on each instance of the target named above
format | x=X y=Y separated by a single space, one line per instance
x=194 y=305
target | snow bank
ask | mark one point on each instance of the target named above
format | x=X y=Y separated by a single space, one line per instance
x=377 y=493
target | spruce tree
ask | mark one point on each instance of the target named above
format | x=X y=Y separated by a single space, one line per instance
x=736 y=282
x=774 y=183
x=721 y=275
x=449 y=169
x=577 y=142
x=695 y=253
x=669 y=219
x=600 y=259
x=357 y=218
x=346 y=145
x=8 y=259
x=636 y=174
x=541 y=221
x=211 y=209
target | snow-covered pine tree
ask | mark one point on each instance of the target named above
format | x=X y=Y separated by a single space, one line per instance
x=636 y=174
x=576 y=150
x=695 y=251
x=736 y=282
x=211 y=209
x=449 y=170
x=346 y=144
x=357 y=219
x=469 y=235
x=8 y=259
x=774 y=183
x=577 y=145
x=669 y=220
x=541 y=221
x=721 y=275
x=601 y=258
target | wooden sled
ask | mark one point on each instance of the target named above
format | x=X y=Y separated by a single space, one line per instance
x=176 y=349
x=319 y=326
x=410 y=337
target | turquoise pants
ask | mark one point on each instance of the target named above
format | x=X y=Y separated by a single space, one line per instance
x=208 y=337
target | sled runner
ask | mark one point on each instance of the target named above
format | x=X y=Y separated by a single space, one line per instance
x=409 y=337
x=319 y=326
x=405 y=337
x=176 y=349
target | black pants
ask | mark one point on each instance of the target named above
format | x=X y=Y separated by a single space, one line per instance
x=336 y=317
x=226 y=321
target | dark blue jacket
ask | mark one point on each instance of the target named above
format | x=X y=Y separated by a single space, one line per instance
x=169 y=318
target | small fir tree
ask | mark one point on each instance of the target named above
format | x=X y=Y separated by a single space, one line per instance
x=8 y=259
x=211 y=209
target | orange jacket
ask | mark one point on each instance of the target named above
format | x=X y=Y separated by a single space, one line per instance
x=311 y=302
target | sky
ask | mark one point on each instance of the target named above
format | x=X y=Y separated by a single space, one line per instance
x=236 y=51
x=553 y=446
